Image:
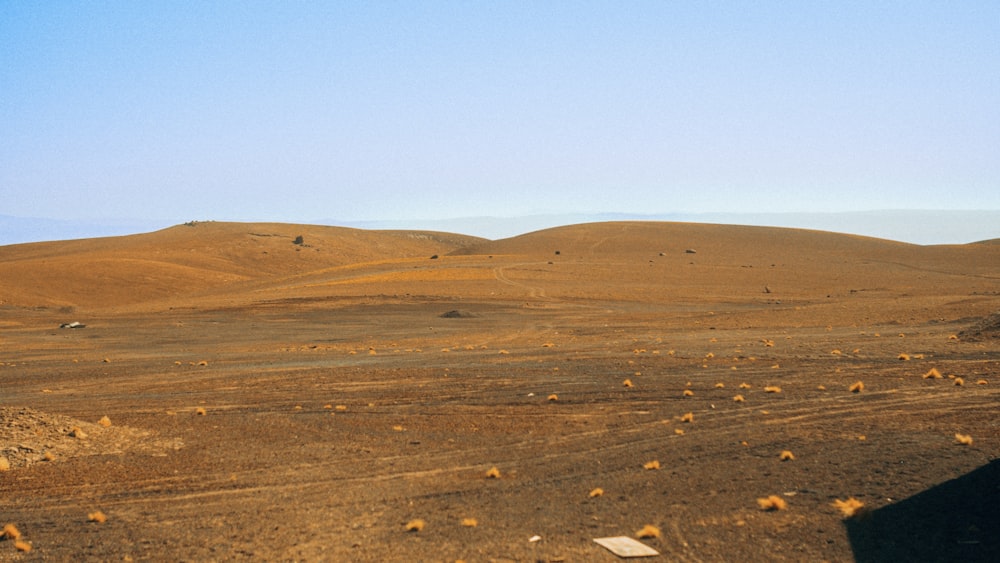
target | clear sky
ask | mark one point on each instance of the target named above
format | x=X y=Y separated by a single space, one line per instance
x=295 y=111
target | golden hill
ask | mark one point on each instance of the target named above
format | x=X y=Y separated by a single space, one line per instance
x=192 y=258
x=220 y=264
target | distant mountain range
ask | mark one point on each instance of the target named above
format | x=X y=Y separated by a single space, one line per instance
x=912 y=226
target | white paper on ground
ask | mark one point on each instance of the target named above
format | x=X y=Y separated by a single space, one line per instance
x=624 y=546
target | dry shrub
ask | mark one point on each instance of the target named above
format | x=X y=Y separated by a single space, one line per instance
x=97 y=516
x=903 y=357
x=648 y=532
x=982 y=382
x=959 y=381
x=688 y=393
x=857 y=387
x=10 y=532
x=469 y=522
x=849 y=508
x=738 y=398
x=415 y=525
x=22 y=546
x=493 y=473
x=553 y=398
x=688 y=417
x=678 y=431
x=200 y=411
x=651 y=465
x=596 y=492
x=105 y=421
x=933 y=374
x=963 y=439
x=744 y=385
x=721 y=385
x=772 y=502
x=772 y=389
x=48 y=456
x=627 y=383
x=4 y=464
x=787 y=456
x=78 y=433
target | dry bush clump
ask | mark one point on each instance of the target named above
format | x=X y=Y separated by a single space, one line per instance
x=78 y=433
x=904 y=357
x=4 y=464
x=959 y=381
x=415 y=525
x=470 y=522
x=857 y=387
x=200 y=411
x=687 y=417
x=849 y=508
x=772 y=502
x=10 y=532
x=772 y=389
x=744 y=385
x=97 y=516
x=688 y=393
x=933 y=374
x=738 y=399
x=651 y=465
x=627 y=383
x=105 y=421
x=963 y=439
x=786 y=455
x=647 y=532
x=493 y=473
x=721 y=385
x=596 y=492
x=553 y=398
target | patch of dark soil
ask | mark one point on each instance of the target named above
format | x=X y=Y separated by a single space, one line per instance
x=987 y=328
x=458 y=314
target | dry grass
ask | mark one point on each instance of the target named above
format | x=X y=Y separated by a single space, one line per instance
x=651 y=465
x=786 y=456
x=963 y=439
x=97 y=516
x=553 y=398
x=688 y=393
x=105 y=421
x=772 y=389
x=493 y=473
x=4 y=464
x=200 y=411
x=22 y=546
x=903 y=357
x=687 y=417
x=933 y=374
x=469 y=522
x=596 y=492
x=849 y=508
x=772 y=502
x=857 y=387
x=959 y=381
x=10 y=532
x=627 y=383
x=78 y=433
x=647 y=532
x=738 y=399
x=415 y=525
x=721 y=385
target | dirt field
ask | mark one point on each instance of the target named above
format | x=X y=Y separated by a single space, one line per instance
x=274 y=400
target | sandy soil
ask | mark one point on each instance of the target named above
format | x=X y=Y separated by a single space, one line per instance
x=277 y=401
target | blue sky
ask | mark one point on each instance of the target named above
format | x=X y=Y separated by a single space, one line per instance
x=296 y=111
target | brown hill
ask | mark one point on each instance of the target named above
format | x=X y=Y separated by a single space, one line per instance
x=187 y=259
x=220 y=264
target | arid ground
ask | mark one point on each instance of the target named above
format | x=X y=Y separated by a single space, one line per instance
x=270 y=397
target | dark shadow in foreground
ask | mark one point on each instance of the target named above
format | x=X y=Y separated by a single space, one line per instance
x=958 y=520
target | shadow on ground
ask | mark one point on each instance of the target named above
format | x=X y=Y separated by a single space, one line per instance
x=957 y=520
